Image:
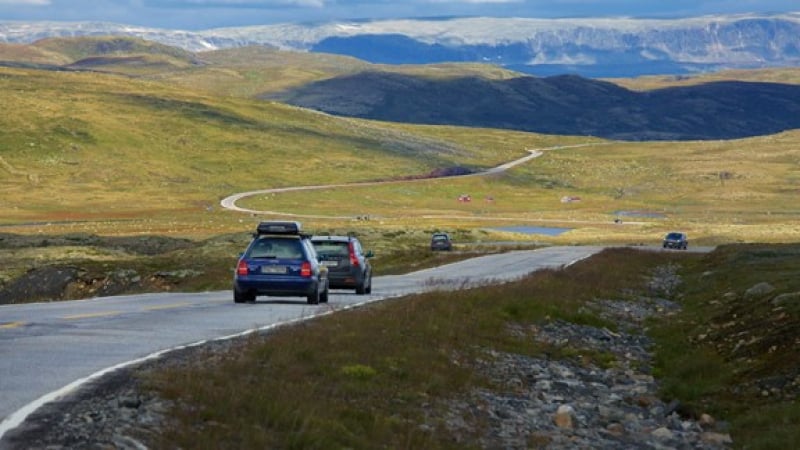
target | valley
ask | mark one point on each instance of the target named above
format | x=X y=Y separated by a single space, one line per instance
x=116 y=153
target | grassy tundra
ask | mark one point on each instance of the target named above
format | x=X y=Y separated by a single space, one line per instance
x=86 y=157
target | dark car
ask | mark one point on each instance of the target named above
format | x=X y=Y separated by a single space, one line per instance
x=280 y=261
x=676 y=239
x=441 y=241
x=347 y=263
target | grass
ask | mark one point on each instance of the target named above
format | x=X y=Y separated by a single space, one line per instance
x=732 y=352
x=105 y=153
x=116 y=156
x=787 y=75
x=198 y=264
x=385 y=372
x=151 y=151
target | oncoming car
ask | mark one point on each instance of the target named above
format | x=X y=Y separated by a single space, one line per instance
x=441 y=241
x=676 y=239
x=280 y=261
x=347 y=263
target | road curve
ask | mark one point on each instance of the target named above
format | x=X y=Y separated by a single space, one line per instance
x=48 y=350
x=229 y=202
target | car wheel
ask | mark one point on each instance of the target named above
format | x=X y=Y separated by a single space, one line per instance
x=361 y=288
x=240 y=297
x=313 y=298
x=368 y=290
x=324 y=297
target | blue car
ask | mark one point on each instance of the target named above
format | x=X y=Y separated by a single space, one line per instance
x=675 y=239
x=280 y=261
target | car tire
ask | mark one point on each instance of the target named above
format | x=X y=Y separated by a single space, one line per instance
x=313 y=298
x=368 y=290
x=361 y=289
x=324 y=297
x=241 y=297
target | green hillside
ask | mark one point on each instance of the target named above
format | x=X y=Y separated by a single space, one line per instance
x=154 y=146
x=241 y=72
x=115 y=154
x=83 y=144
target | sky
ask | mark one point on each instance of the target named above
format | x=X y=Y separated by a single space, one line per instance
x=206 y=14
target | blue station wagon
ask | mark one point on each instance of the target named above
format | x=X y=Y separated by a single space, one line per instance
x=280 y=261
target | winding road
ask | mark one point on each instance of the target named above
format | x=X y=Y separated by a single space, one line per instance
x=230 y=201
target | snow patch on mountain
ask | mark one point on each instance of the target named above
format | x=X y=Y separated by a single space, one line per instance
x=752 y=40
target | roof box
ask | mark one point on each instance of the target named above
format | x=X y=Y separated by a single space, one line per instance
x=278 y=228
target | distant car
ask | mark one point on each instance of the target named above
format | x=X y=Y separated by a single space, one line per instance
x=676 y=239
x=280 y=261
x=441 y=241
x=347 y=263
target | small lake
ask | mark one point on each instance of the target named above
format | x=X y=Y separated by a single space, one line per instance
x=647 y=214
x=525 y=229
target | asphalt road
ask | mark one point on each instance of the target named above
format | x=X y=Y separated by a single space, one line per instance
x=49 y=349
x=229 y=202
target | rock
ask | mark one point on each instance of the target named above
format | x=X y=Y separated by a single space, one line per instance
x=45 y=283
x=758 y=290
x=662 y=433
x=616 y=429
x=786 y=299
x=718 y=439
x=563 y=417
x=706 y=421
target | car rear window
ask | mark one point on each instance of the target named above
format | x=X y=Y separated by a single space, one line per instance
x=282 y=248
x=326 y=248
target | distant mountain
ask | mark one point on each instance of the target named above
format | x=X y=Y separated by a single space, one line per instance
x=566 y=104
x=619 y=47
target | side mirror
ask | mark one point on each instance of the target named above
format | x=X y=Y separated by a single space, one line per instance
x=369 y=254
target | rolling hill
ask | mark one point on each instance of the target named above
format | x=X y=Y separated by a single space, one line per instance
x=566 y=104
x=470 y=95
x=112 y=141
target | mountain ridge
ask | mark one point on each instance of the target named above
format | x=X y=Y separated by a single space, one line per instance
x=564 y=104
x=591 y=47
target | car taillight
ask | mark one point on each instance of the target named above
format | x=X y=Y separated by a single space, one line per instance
x=241 y=268
x=305 y=269
x=353 y=259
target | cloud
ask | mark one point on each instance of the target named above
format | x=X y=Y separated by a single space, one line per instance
x=26 y=2
x=475 y=2
x=255 y=4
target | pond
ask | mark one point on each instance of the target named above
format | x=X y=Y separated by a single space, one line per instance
x=647 y=214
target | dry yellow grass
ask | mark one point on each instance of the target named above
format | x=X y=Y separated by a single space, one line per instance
x=110 y=154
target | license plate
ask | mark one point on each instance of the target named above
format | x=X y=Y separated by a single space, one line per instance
x=273 y=269
x=333 y=263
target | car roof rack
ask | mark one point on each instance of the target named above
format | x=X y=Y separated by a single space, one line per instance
x=290 y=227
